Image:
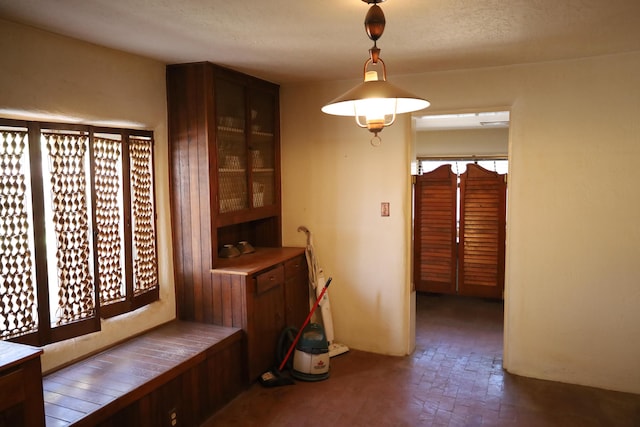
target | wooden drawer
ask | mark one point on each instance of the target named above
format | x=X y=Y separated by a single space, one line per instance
x=295 y=267
x=269 y=279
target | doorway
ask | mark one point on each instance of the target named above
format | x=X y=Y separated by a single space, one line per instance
x=474 y=138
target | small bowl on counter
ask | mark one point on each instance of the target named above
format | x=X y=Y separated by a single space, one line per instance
x=229 y=251
x=245 y=247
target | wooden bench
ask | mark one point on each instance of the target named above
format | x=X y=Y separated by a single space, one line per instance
x=175 y=375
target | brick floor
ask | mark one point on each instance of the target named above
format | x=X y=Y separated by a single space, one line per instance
x=454 y=378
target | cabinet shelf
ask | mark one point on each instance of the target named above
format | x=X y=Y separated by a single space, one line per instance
x=242 y=171
x=262 y=134
x=234 y=131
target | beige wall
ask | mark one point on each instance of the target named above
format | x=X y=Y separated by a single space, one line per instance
x=573 y=278
x=462 y=142
x=44 y=76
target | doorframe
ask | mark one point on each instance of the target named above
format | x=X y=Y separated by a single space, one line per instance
x=412 y=157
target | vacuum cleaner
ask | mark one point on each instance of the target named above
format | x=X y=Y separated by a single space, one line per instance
x=311 y=358
x=316 y=280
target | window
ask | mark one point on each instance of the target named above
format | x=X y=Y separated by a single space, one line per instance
x=77 y=228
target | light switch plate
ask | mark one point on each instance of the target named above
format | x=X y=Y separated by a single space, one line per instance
x=384 y=209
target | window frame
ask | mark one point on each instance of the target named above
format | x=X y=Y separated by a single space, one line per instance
x=47 y=333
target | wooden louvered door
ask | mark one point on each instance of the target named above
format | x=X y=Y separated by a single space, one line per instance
x=482 y=233
x=435 y=231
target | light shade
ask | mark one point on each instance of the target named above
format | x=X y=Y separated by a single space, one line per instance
x=390 y=99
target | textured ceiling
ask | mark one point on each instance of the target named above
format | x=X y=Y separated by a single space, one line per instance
x=311 y=40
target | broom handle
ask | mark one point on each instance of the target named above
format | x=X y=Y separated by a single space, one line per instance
x=313 y=309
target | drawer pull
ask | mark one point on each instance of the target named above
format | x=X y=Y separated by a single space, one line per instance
x=269 y=279
x=294 y=267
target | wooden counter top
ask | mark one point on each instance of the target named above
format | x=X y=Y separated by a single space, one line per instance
x=261 y=259
x=12 y=354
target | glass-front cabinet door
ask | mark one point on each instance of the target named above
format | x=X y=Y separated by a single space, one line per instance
x=262 y=149
x=231 y=145
x=246 y=141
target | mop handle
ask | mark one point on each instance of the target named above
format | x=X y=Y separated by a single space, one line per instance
x=313 y=309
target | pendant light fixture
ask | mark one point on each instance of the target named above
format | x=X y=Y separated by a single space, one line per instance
x=375 y=102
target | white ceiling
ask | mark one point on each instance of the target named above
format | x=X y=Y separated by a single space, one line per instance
x=289 y=41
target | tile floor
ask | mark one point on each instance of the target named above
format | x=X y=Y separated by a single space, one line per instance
x=454 y=378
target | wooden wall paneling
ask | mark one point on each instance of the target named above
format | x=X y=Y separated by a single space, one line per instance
x=229 y=284
x=268 y=231
x=435 y=231
x=225 y=374
x=192 y=401
x=482 y=232
x=230 y=300
x=232 y=234
x=217 y=306
x=192 y=105
x=200 y=210
x=266 y=327
x=239 y=300
x=207 y=301
x=296 y=291
x=178 y=187
x=212 y=383
x=189 y=178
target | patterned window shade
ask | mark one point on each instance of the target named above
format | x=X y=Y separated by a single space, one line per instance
x=18 y=293
x=71 y=288
x=142 y=201
x=109 y=219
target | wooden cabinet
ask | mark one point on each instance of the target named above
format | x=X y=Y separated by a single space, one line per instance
x=262 y=293
x=21 y=401
x=225 y=188
x=224 y=137
x=224 y=171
